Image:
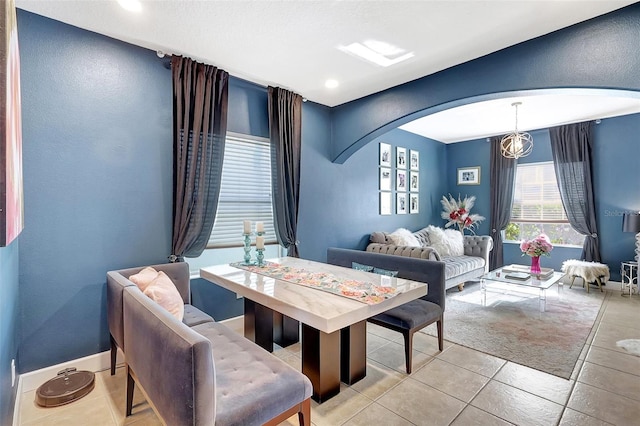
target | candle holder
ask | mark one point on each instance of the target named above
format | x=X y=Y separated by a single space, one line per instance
x=260 y=256
x=247 y=249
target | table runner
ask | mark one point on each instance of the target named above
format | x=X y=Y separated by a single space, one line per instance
x=362 y=291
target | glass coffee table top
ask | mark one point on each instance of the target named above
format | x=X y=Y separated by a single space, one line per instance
x=519 y=277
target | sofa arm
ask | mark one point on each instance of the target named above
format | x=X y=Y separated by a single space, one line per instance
x=428 y=253
x=478 y=246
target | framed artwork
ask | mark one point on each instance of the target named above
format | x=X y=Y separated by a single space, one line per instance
x=401 y=203
x=385 y=154
x=414 y=160
x=414 y=181
x=11 y=189
x=401 y=158
x=401 y=180
x=414 y=203
x=469 y=175
x=385 y=179
x=385 y=203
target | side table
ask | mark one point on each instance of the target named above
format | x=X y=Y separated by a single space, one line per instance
x=629 y=274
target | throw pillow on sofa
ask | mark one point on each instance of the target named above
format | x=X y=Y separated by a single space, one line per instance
x=447 y=242
x=404 y=237
x=143 y=278
x=164 y=293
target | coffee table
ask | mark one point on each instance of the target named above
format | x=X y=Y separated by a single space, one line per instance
x=500 y=276
x=333 y=327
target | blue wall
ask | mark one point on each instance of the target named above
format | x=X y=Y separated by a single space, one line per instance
x=339 y=204
x=8 y=326
x=97 y=150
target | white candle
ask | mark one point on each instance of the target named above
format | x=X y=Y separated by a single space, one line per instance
x=247 y=226
x=259 y=227
x=260 y=242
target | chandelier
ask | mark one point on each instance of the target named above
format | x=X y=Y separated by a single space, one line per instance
x=516 y=144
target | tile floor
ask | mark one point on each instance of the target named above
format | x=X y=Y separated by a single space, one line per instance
x=459 y=386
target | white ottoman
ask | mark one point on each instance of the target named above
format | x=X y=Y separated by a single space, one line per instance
x=590 y=272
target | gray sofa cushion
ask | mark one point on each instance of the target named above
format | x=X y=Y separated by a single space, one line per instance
x=455 y=266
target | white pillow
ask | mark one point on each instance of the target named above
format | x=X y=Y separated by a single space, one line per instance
x=143 y=278
x=404 y=237
x=456 y=242
x=164 y=293
x=447 y=242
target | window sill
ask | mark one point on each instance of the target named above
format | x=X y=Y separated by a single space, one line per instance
x=555 y=245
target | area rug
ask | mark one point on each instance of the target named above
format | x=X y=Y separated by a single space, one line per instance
x=512 y=327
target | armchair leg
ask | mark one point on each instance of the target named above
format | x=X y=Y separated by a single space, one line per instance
x=131 y=384
x=114 y=354
x=408 y=348
x=440 y=334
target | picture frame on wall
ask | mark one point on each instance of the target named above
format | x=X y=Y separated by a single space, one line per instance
x=401 y=158
x=414 y=203
x=11 y=182
x=414 y=160
x=385 y=154
x=414 y=181
x=401 y=203
x=401 y=180
x=385 y=203
x=469 y=175
x=385 y=179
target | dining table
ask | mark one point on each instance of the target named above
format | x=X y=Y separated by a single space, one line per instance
x=329 y=304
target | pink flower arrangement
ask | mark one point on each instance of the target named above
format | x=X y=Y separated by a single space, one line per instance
x=456 y=212
x=539 y=246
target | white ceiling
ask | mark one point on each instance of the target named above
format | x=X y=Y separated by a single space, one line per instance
x=294 y=44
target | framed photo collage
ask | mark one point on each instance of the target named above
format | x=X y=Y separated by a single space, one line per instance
x=399 y=180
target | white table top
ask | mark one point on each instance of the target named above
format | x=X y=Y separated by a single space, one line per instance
x=319 y=309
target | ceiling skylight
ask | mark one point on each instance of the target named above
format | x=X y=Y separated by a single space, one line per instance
x=331 y=83
x=377 y=52
x=131 y=5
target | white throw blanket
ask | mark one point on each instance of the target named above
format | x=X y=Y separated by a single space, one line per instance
x=589 y=271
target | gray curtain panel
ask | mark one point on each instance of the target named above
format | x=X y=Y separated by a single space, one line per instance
x=200 y=102
x=285 y=124
x=571 y=149
x=503 y=173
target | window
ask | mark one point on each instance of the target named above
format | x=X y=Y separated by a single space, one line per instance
x=537 y=207
x=245 y=191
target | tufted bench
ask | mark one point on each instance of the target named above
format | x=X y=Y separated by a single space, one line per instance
x=590 y=272
x=206 y=374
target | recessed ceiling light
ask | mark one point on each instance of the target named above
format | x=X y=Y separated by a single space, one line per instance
x=331 y=83
x=377 y=52
x=131 y=5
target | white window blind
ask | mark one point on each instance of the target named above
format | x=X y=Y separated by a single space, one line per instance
x=245 y=191
x=536 y=197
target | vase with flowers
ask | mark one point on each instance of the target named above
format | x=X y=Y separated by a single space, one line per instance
x=457 y=213
x=539 y=246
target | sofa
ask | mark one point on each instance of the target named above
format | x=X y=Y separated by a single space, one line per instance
x=459 y=268
x=117 y=281
x=205 y=374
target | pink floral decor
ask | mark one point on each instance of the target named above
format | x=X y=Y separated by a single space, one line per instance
x=457 y=213
x=539 y=246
